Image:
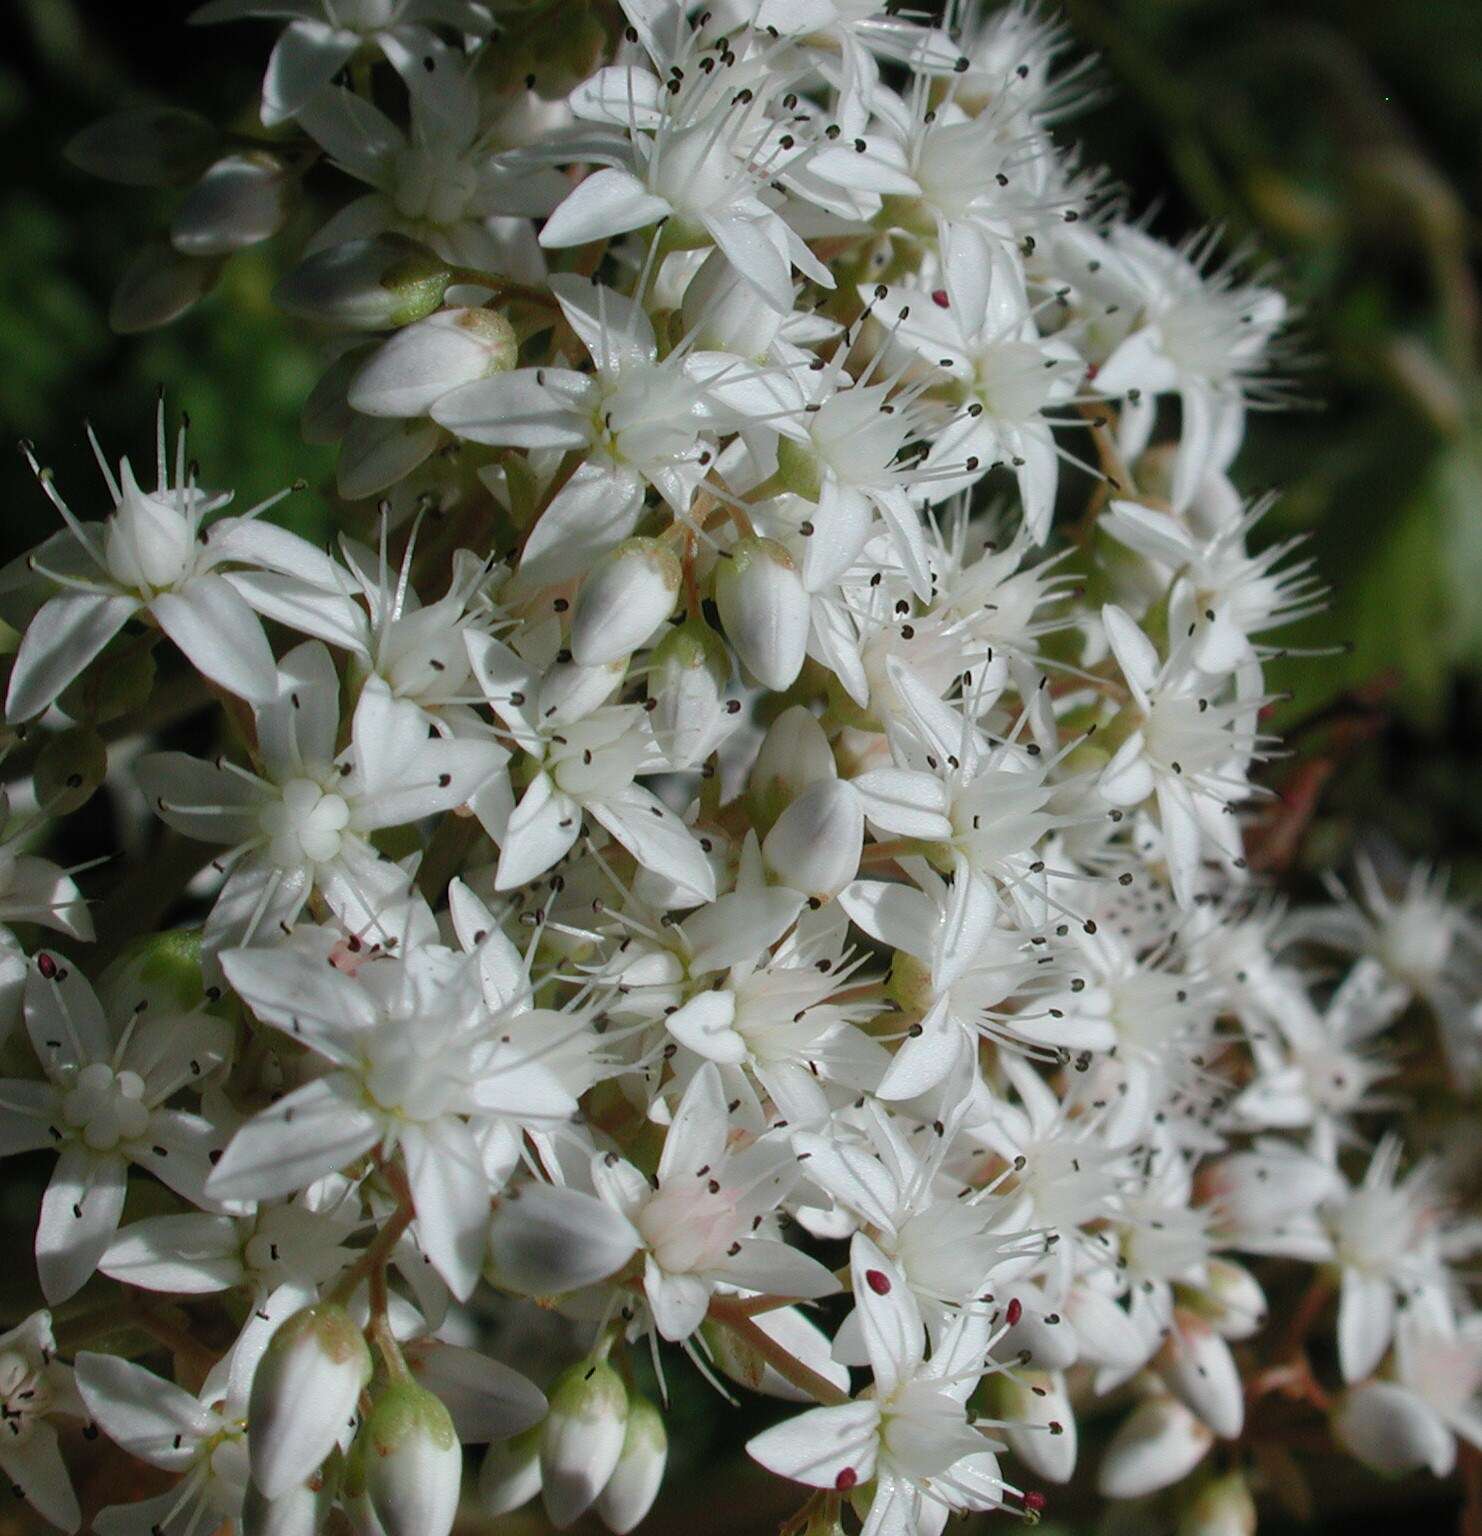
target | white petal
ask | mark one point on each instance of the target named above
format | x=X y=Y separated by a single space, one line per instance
x=528 y=408
x=541 y=830
x=656 y=837
x=220 y=636
x=313 y=1002
x=305 y=59
x=200 y=799
x=67 y=632
x=904 y=803
x=451 y=1194
x=79 y=1215
x=608 y=202
x=40 y=1476
x=314 y=1131
x=597 y=508
x=697 y=1137
x=192 y=1254
x=147 y=1416
x=678 y=1302
x=890 y=1320
x=821 y=1446
x=1366 y=1316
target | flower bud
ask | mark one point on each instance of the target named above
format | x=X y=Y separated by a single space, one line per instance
x=408 y=374
x=634 y=1484
x=158 y=287
x=303 y=1395
x=794 y=754
x=378 y=453
x=546 y=1239
x=366 y=285
x=1389 y=1428
x=510 y=1475
x=815 y=845
x=764 y=611
x=1222 y=1507
x=688 y=673
x=1159 y=1443
x=582 y=1438
x=145 y=147
x=1199 y=1369
x=301 y=1511
x=242 y=199
x=410 y=1464
x=1231 y=1298
x=628 y=593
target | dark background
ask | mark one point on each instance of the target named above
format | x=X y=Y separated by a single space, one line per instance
x=1341 y=139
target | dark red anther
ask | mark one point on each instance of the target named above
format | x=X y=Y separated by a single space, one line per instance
x=1034 y=1502
x=939 y=297
x=47 y=966
x=1014 y=1311
x=846 y=1479
x=878 y=1281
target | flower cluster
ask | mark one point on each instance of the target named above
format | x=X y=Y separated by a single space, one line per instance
x=739 y=858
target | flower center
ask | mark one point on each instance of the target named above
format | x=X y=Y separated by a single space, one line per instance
x=690 y=1227
x=432 y=185
x=24 y=1397
x=106 y=1107
x=306 y=826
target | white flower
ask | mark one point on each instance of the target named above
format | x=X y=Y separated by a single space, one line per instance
x=102 y=1103
x=155 y=554
x=33 y=1387
x=912 y=1439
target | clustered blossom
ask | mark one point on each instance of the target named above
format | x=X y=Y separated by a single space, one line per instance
x=737 y=858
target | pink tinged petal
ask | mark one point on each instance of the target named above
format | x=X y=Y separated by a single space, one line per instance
x=220 y=636
x=597 y=508
x=142 y=1413
x=678 y=1302
x=1366 y=1319
x=889 y=1317
x=832 y=1448
x=451 y=1193
x=64 y=1019
x=541 y=830
x=1390 y=1428
x=306 y=58
x=40 y=1476
x=657 y=838
x=316 y=1130
x=191 y=1255
x=79 y=1215
x=608 y=202
x=67 y=632
x=201 y=800
x=905 y=803
x=528 y=408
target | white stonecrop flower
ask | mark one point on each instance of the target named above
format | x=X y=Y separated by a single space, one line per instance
x=34 y=1386
x=155 y=555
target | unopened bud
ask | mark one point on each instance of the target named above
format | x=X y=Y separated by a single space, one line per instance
x=764 y=611
x=241 y=200
x=409 y=1462
x=408 y=374
x=634 y=1484
x=1389 y=1428
x=815 y=845
x=1199 y=1369
x=794 y=754
x=687 y=677
x=145 y=147
x=1222 y=1507
x=546 y=1239
x=629 y=592
x=582 y=1438
x=1232 y=1299
x=366 y=285
x=303 y=1395
x=301 y=1511
x=1157 y=1445
x=158 y=287
x=510 y=1474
